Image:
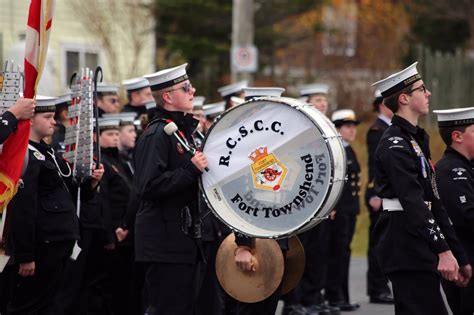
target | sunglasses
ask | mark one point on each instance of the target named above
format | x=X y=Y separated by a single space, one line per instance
x=421 y=88
x=187 y=87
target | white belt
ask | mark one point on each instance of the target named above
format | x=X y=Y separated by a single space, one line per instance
x=395 y=205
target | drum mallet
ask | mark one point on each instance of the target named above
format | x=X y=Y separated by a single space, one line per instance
x=172 y=129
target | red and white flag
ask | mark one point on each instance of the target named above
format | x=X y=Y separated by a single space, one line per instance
x=38 y=30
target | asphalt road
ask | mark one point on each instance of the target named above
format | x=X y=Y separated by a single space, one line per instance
x=358 y=292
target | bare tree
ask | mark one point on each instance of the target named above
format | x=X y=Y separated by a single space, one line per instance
x=118 y=25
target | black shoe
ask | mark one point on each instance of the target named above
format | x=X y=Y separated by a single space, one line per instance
x=295 y=309
x=334 y=310
x=345 y=306
x=382 y=298
x=317 y=309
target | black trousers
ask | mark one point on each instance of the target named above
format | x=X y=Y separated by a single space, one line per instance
x=316 y=246
x=84 y=288
x=170 y=288
x=35 y=294
x=265 y=307
x=460 y=300
x=417 y=292
x=210 y=299
x=337 y=283
x=377 y=282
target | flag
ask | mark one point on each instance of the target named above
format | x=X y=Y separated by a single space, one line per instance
x=38 y=30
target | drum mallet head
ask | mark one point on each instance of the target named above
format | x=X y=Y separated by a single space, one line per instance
x=171 y=130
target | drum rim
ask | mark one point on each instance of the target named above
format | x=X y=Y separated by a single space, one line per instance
x=300 y=227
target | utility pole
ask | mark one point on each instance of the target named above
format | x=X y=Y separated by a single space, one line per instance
x=243 y=53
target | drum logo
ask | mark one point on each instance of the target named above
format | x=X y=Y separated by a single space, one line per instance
x=267 y=171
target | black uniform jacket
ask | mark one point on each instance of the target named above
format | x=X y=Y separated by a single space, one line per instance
x=166 y=181
x=8 y=124
x=412 y=238
x=116 y=188
x=349 y=201
x=373 y=138
x=44 y=209
x=455 y=177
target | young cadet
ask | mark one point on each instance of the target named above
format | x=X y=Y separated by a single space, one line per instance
x=107 y=98
x=377 y=282
x=342 y=227
x=234 y=89
x=62 y=121
x=138 y=93
x=414 y=232
x=44 y=224
x=316 y=95
x=166 y=177
x=455 y=178
x=24 y=108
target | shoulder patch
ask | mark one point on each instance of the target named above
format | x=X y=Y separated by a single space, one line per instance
x=39 y=156
x=395 y=140
x=459 y=173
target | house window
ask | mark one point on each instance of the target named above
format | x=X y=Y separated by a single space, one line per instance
x=78 y=57
x=340 y=29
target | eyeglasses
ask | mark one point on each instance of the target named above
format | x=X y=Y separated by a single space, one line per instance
x=421 y=88
x=187 y=87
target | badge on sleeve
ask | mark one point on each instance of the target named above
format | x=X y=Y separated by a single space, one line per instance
x=39 y=156
x=179 y=148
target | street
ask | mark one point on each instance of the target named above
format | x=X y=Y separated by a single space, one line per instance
x=358 y=291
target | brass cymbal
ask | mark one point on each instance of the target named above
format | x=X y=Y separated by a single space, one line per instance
x=294 y=265
x=250 y=286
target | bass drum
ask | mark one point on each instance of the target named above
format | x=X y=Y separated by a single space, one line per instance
x=276 y=167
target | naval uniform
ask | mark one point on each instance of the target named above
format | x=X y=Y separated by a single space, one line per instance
x=342 y=231
x=414 y=226
x=377 y=282
x=166 y=182
x=44 y=228
x=455 y=178
x=8 y=124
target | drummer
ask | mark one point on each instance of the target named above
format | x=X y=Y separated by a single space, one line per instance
x=316 y=95
x=166 y=177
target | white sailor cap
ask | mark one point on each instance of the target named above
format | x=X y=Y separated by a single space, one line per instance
x=167 y=77
x=398 y=81
x=252 y=92
x=455 y=117
x=108 y=123
x=198 y=102
x=64 y=98
x=107 y=88
x=135 y=84
x=234 y=88
x=150 y=105
x=214 y=109
x=126 y=118
x=344 y=116
x=45 y=104
x=314 y=88
x=377 y=93
x=237 y=100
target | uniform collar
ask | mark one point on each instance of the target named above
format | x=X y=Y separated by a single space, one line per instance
x=41 y=146
x=181 y=119
x=451 y=151
x=405 y=124
x=385 y=119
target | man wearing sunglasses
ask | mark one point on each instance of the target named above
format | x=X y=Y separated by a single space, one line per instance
x=417 y=243
x=107 y=98
x=166 y=177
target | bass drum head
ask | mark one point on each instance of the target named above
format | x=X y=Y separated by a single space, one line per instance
x=270 y=167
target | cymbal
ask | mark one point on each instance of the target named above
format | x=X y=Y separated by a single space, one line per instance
x=250 y=286
x=294 y=265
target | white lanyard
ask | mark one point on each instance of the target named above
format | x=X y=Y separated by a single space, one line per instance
x=55 y=162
